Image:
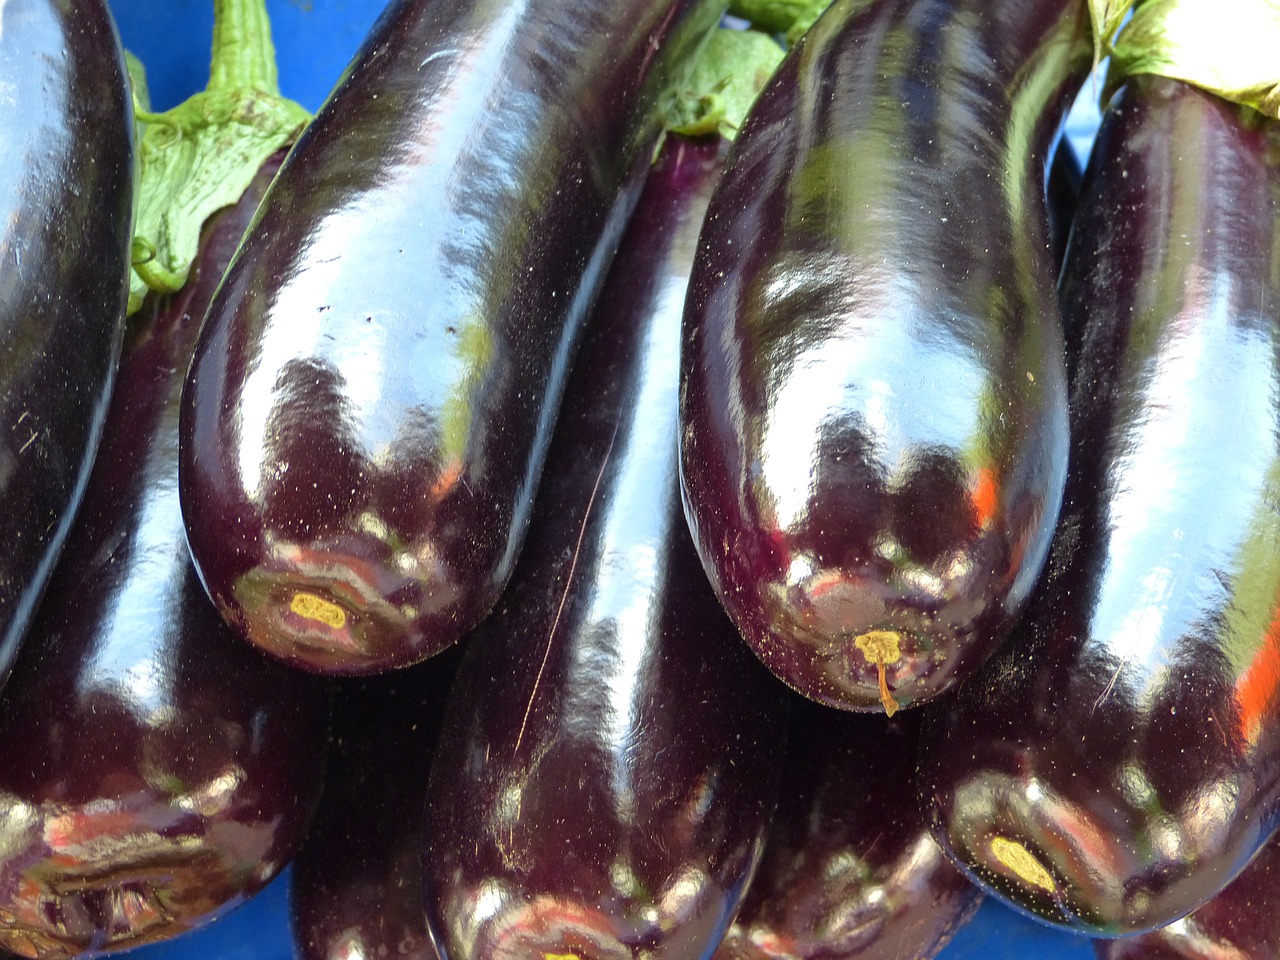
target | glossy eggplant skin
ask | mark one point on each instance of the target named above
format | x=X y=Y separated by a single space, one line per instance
x=1062 y=192
x=1119 y=761
x=611 y=749
x=850 y=869
x=66 y=190
x=156 y=770
x=873 y=409
x=356 y=888
x=369 y=407
x=1240 y=923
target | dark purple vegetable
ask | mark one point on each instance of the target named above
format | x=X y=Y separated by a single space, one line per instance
x=611 y=749
x=367 y=415
x=874 y=408
x=357 y=881
x=1240 y=923
x=850 y=869
x=66 y=186
x=1119 y=761
x=156 y=770
x=1062 y=194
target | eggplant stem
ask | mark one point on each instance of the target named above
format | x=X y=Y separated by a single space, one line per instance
x=243 y=54
x=882 y=647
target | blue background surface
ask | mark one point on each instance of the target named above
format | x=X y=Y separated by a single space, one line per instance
x=315 y=39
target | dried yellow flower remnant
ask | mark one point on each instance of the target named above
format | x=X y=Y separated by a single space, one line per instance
x=1023 y=863
x=560 y=956
x=317 y=608
x=882 y=647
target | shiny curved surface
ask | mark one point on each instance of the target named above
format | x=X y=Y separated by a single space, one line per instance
x=1240 y=923
x=850 y=869
x=1062 y=192
x=874 y=405
x=611 y=750
x=1119 y=761
x=66 y=186
x=156 y=770
x=356 y=889
x=370 y=403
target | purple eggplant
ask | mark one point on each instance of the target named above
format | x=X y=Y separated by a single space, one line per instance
x=850 y=869
x=156 y=769
x=369 y=407
x=66 y=190
x=611 y=749
x=357 y=881
x=1240 y=923
x=873 y=410
x=1062 y=193
x=1119 y=761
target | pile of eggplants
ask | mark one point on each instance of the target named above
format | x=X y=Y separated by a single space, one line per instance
x=488 y=357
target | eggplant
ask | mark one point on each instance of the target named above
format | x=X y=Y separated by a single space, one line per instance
x=1240 y=923
x=850 y=869
x=368 y=410
x=157 y=771
x=611 y=750
x=66 y=194
x=1062 y=192
x=873 y=406
x=1119 y=761
x=356 y=886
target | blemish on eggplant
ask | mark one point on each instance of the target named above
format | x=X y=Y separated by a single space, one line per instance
x=311 y=607
x=1023 y=863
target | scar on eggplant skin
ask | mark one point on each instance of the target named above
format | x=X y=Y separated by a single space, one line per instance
x=568 y=581
x=311 y=607
x=1023 y=863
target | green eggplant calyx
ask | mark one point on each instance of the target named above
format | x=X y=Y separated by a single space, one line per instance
x=1107 y=16
x=789 y=17
x=724 y=83
x=201 y=155
x=1227 y=48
